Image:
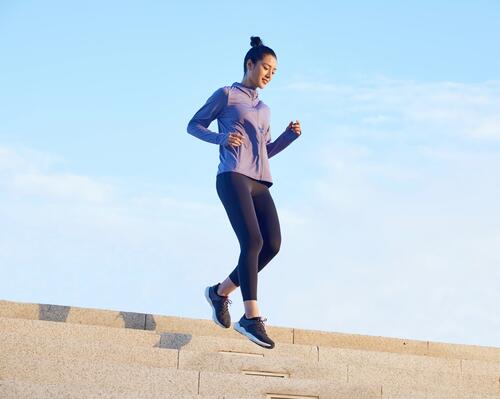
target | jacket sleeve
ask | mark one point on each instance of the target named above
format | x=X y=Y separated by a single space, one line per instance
x=283 y=141
x=198 y=125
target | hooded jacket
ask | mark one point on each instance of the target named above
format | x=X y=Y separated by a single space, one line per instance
x=238 y=108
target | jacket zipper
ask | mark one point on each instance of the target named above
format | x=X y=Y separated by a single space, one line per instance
x=259 y=137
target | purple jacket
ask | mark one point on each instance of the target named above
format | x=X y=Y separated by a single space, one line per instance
x=238 y=109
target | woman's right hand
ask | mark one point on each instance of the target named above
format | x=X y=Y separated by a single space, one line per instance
x=235 y=139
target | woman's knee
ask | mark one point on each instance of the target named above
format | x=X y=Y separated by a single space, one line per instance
x=273 y=246
x=253 y=243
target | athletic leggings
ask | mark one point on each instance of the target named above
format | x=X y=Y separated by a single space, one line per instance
x=254 y=219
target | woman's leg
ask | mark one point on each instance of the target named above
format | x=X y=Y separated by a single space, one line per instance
x=267 y=218
x=226 y=287
x=235 y=192
x=269 y=226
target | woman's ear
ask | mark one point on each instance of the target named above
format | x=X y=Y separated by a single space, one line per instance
x=249 y=64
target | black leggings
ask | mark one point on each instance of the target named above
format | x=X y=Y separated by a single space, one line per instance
x=254 y=219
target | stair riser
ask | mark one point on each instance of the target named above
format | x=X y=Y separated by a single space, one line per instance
x=96 y=373
x=13 y=389
x=63 y=331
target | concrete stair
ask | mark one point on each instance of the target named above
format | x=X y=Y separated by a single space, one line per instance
x=52 y=351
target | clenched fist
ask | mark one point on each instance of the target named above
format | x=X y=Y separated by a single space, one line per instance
x=295 y=126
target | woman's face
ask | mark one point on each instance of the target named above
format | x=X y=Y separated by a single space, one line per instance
x=263 y=71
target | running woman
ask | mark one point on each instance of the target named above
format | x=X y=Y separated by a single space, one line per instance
x=243 y=181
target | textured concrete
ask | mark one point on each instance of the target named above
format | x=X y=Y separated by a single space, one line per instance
x=98 y=373
x=452 y=383
x=62 y=331
x=19 y=310
x=89 y=350
x=159 y=323
x=89 y=333
x=396 y=345
x=218 y=344
x=481 y=367
x=282 y=365
x=395 y=392
x=16 y=389
x=62 y=351
x=72 y=314
x=472 y=352
x=359 y=357
x=256 y=387
x=356 y=341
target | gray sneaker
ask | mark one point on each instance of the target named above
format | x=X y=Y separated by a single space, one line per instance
x=254 y=330
x=220 y=312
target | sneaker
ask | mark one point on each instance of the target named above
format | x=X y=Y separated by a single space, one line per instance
x=220 y=313
x=254 y=330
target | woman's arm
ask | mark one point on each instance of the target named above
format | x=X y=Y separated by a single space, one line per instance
x=198 y=125
x=283 y=141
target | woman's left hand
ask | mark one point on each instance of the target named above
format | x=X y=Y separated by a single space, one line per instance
x=295 y=126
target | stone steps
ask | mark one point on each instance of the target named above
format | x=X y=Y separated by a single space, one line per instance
x=108 y=354
x=102 y=373
x=206 y=327
x=385 y=374
x=81 y=338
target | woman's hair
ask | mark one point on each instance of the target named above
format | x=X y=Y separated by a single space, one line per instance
x=257 y=52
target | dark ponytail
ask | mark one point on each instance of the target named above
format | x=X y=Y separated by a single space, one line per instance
x=257 y=52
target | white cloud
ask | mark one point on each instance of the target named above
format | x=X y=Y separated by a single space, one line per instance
x=61 y=186
x=26 y=159
x=487 y=128
x=27 y=172
x=465 y=109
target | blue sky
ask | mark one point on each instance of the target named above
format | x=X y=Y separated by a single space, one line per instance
x=388 y=202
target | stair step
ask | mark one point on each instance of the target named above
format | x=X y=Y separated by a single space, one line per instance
x=453 y=383
x=62 y=331
x=15 y=389
x=94 y=351
x=402 y=392
x=35 y=368
x=329 y=355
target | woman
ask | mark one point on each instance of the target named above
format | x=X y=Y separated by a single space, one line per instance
x=243 y=181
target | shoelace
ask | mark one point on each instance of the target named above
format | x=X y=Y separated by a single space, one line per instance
x=260 y=323
x=225 y=303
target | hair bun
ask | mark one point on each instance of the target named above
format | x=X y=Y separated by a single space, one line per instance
x=255 y=41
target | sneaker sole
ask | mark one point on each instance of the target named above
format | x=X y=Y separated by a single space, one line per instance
x=238 y=327
x=214 y=317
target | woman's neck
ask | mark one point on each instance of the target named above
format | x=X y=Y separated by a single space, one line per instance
x=246 y=83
